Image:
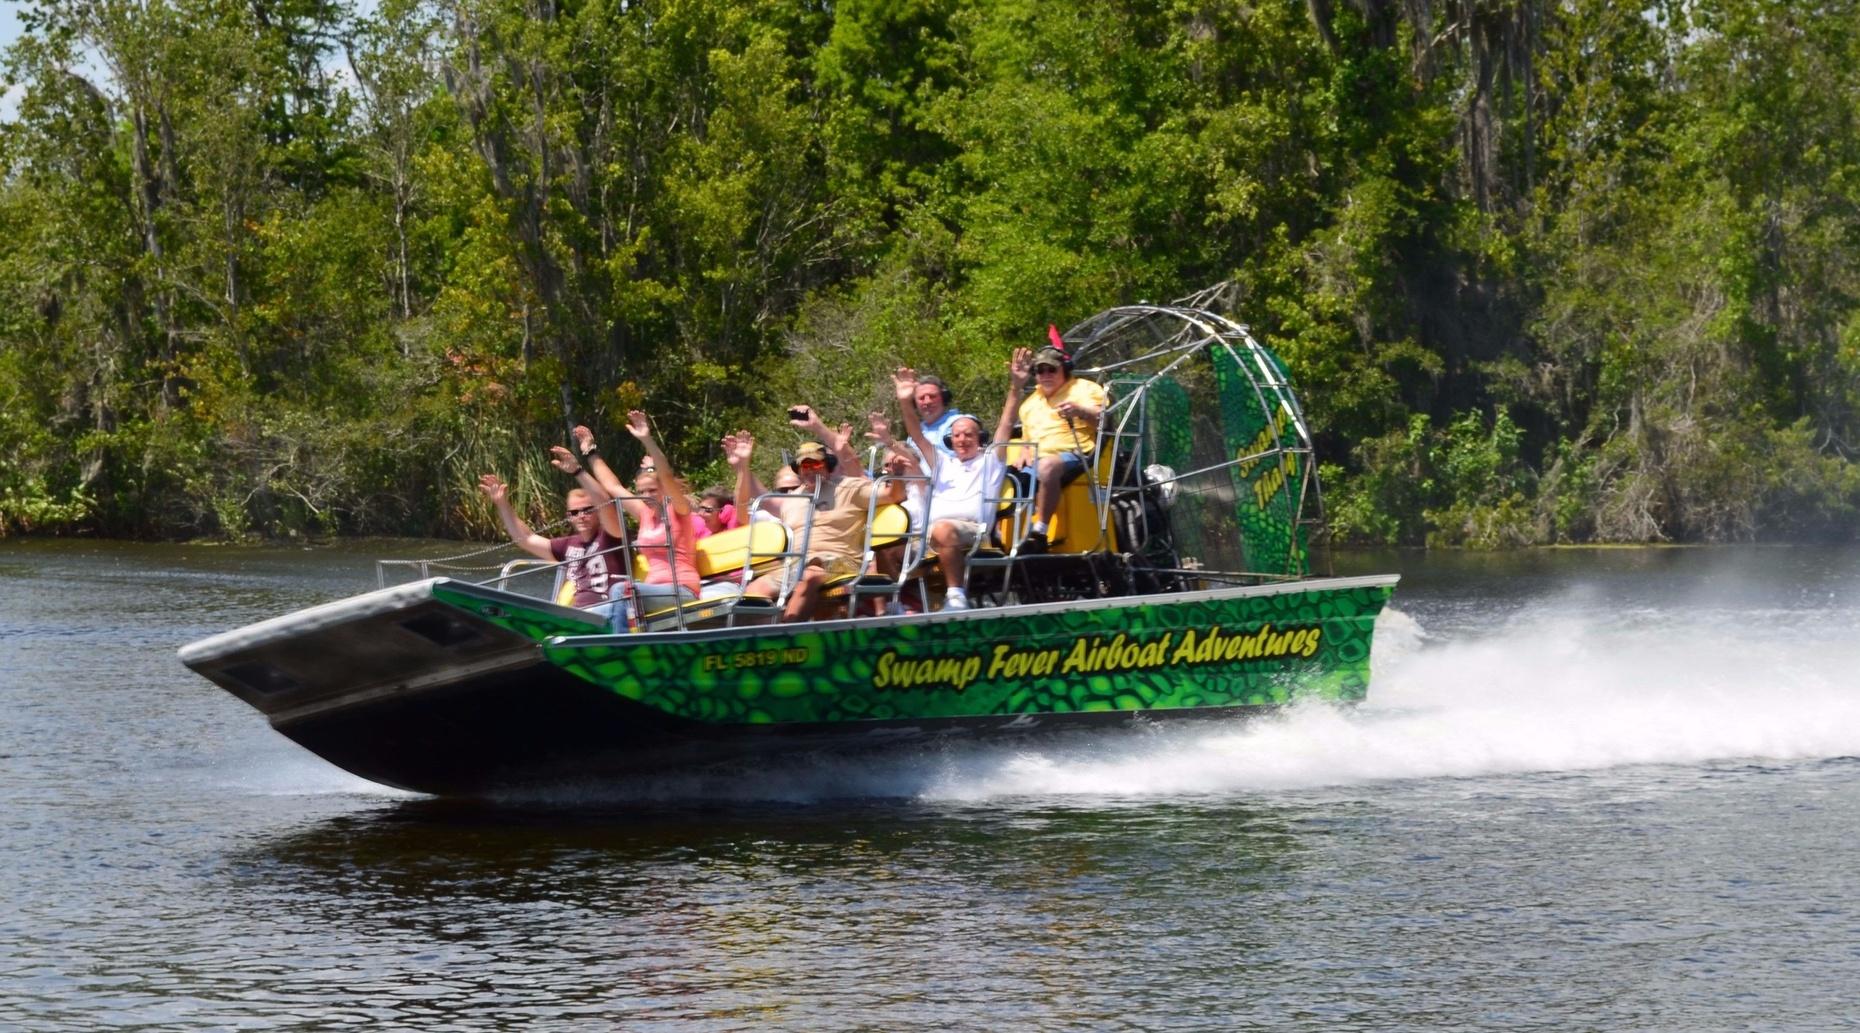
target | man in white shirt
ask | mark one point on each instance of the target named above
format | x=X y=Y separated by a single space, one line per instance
x=962 y=475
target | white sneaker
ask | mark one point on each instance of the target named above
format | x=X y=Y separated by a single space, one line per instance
x=955 y=599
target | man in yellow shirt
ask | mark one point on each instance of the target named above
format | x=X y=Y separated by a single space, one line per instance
x=1061 y=417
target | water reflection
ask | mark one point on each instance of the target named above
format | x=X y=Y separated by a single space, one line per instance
x=526 y=853
x=778 y=913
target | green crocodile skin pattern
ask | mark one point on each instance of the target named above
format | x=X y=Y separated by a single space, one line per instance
x=1159 y=654
x=512 y=614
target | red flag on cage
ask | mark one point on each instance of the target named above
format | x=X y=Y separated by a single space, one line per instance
x=1059 y=343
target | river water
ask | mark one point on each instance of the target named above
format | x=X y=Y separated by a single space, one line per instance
x=1592 y=790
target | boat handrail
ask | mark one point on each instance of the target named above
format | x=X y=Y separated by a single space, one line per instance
x=1131 y=406
x=518 y=566
x=661 y=505
x=1019 y=504
x=523 y=566
x=916 y=540
x=423 y=567
x=788 y=560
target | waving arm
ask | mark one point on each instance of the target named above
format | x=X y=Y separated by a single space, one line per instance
x=520 y=534
x=677 y=498
x=604 y=508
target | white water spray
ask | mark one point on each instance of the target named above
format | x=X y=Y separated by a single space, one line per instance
x=1547 y=693
x=1567 y=686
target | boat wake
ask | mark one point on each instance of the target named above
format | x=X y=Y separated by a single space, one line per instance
x=1556 y=690
x=1549 y=693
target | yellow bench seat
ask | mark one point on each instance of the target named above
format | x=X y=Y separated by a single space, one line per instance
x=720 y=559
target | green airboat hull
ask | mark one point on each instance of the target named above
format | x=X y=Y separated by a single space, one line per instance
x=448 y=688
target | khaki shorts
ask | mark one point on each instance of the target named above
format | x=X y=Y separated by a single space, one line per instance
x=836 y=565
x=967 y=531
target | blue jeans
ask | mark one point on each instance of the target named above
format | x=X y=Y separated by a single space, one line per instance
x=647 y=599
x=1075 y=465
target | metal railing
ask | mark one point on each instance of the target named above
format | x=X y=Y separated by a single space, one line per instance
x=916 y=544
x=1019 y=505
x=788 y=560
x=627 y=552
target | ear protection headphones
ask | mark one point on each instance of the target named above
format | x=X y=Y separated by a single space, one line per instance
x=1059 y=345
x=949 y=440
x=833 y=463
x=949 y=397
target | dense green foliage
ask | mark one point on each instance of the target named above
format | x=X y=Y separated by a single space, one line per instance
x=1545 y=271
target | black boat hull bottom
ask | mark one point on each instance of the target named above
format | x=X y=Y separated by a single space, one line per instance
x=539 y=727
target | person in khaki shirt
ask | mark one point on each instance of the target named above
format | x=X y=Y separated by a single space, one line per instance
x=840 y=504
x=1061 y=416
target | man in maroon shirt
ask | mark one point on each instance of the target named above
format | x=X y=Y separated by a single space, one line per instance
x=591 y=549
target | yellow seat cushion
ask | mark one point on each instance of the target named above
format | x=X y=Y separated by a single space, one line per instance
x=890 y=525
x=754 y=543
x=1074 y=527
x=725 y=552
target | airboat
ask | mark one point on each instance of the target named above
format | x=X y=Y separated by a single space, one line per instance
x=1180 y=585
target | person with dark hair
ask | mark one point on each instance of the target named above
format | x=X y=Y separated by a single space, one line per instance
x=962 y=480
x=936 y=408
x=716 y=506
x=839 y=503
x=1061 y=416
x=591 y=549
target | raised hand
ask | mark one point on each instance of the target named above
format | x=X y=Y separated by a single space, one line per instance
x=738 y=447
x=493 y=488
x=906 y=458
x=881 y=427
x=1021 y=367
x=584 y=439
x=904 y=381
x=638 y=425
x=564 y=460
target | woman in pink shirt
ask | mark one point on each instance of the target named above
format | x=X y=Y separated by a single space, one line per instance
x=670 y=577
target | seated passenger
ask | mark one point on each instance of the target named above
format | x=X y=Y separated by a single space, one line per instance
x=838 y=503
x=786 y=482
x=936 y=408
x=671 y=575
x=898 y=460
x=715 y=506
x=962 y=480
x=591 y=549
x=1062 y=418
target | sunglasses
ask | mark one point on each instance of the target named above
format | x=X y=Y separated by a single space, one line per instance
x=710 y=509
x=1045 y=369
x=583 y=511
x=812 y=464
x=648 y=469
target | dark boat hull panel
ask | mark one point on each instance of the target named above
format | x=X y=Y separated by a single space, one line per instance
x=453 y=689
